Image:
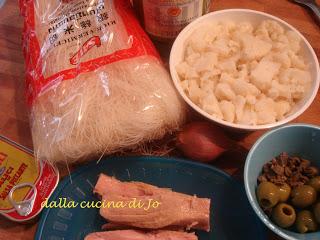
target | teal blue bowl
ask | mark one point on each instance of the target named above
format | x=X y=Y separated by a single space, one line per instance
x=298 y=140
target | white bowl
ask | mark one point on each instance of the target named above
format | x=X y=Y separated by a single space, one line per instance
x=255 y=18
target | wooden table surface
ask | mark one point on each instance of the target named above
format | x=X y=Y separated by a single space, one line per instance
x=14 y=115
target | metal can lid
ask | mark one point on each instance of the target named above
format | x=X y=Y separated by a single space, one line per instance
x=25 y=183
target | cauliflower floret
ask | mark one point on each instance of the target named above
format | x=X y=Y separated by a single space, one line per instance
x=185 y=86
x=282 y=58
x=251 y=99
x=243 y=88
x=191 y=73
x=281 y=109
x=221 y=47
x=283 y=39
x=278 y=90
x=226 y=78
x=264 y=104
x=224 y=92
x=294 y=76
x=206 y=62
x=225 y=29
x=189 y=51
x=228 y=65
x=245 y=27
x=228 y=110
x=265 y=109
x=263 y=74
x=203 y=36
x=212 y=74
x=267 y=57
x=195 y=93
x=297 y=61
x=243 y=71
x=253 y=65
x=264 y=117
x=239 y=104
x=297 y=91
x=279 y=47
x=270 y=29
x=182 y=69
x=294 y=41
x=273 y=92
x=230 y=26
x=192 y=58
x=254 y=48
x=293 y=36
x=280 y=43
x=234 y=46
x=211 y=105
x=249 y=116
x=208 y=85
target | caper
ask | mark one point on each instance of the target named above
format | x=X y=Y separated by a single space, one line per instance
x=305 y=222
x=268 y=195
x=284 y=192
x=284 y=215
x=303 y=196
x=315 y=183
x=316 y=212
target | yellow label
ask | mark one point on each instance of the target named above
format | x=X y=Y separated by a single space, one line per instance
x=16 y=166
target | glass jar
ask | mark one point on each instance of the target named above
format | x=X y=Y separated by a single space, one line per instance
x=164 y=19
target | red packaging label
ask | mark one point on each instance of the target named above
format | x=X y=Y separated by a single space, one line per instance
x=62 y=39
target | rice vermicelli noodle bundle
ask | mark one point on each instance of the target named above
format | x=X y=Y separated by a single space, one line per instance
x=95 y=83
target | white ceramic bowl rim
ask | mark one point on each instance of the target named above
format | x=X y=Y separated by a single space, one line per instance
x=255 y=207
x=175 y=77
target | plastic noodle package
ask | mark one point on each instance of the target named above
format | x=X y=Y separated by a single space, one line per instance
x=95 y=83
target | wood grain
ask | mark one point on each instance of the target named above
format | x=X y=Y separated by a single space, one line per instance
x=14 y=114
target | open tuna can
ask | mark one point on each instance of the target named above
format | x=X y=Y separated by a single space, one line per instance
x=24 y=182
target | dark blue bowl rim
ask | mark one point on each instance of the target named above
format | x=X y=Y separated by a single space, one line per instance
x=81 y=169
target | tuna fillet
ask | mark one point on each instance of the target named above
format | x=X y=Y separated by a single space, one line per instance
x=116 y=226
x=146 y=206
x=139 y=235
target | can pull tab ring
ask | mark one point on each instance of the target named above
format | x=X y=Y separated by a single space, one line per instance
x=24 y=208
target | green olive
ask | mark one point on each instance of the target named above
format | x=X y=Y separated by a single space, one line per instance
x=268 y=195
x=284 y=192
x=315 y=183
x=284 y=215
x=305 y=222
x=316 y=212
x=303 y=196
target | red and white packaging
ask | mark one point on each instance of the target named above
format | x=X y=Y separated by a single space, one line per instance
x=95 y=82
